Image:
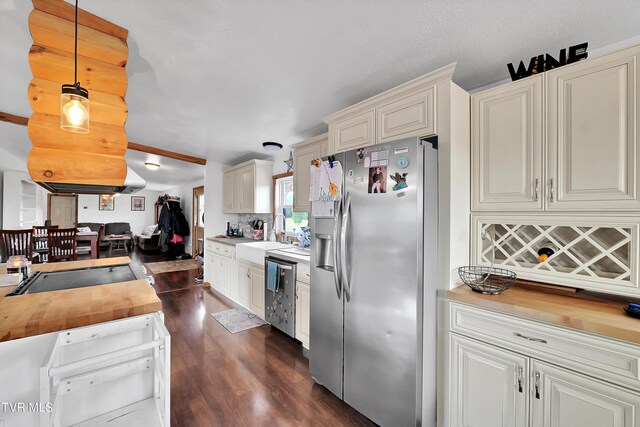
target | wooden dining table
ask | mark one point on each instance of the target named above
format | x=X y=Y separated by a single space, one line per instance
x=92 y=237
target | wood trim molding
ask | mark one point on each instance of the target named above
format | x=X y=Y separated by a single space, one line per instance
x=16 y=120
x=166 y=153
x=23 y=121
x=273 y=193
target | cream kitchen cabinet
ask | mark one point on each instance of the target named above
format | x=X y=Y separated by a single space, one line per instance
x=489 y=385
x=408 y=116
x=404 y=111
x=220 y=268
x=303 y=303
x=256 y=304
x=592 y=118
x=506 y=149
x=562 y=398
x=247 y=187
x=549 y=376
x=565 y=140
x=243 y=281
x=354 y=131
x=303 y=153
x=228 y=193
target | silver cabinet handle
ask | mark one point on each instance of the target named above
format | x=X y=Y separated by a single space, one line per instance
x=530 y=338
x=551 y=190
x=537 y=184
x=520 y=373
x=343 y=247
x=537 y=385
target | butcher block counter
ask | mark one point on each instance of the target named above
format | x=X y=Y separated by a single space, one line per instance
x=585 y=311
x=40 y=313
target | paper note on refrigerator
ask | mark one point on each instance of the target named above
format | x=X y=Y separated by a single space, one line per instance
x=319 y=209
x=326 y=182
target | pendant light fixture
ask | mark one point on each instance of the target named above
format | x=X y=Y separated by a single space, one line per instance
x=74 y=101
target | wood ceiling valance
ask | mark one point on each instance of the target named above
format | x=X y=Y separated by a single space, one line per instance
x=96 y=157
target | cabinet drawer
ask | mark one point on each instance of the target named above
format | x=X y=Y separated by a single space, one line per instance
x=303 y=273
x=601 y=357
x=221 y=249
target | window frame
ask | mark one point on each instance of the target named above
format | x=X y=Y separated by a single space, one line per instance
x=276 y=208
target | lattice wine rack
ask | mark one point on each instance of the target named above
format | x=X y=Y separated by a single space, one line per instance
x=588 y=253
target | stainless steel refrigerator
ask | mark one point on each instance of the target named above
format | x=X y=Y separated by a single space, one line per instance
x=371 y=308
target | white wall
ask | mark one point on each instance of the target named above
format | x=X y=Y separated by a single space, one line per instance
x=88 y=210
x=215 y=221
x=185 y=192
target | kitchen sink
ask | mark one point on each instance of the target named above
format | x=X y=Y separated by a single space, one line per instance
x=255 y=252
x=298 y=251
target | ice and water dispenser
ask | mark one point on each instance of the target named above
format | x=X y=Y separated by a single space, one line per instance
x=324 y=244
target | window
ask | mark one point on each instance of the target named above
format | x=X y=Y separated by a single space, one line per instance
x=283 y=201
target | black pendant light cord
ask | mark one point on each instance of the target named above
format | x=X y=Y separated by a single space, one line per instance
x=75 y=56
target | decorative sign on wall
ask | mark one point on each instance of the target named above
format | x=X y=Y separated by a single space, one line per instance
x=541 y=63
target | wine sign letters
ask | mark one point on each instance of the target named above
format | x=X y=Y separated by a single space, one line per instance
x=541 y=63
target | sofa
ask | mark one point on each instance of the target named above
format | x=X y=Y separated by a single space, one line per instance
x=148 y=240
x=110 y=228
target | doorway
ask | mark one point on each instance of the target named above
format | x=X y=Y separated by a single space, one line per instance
x=197 y=240
x=62 y=210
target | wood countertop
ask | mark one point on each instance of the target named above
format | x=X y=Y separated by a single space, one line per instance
x=232 y=241
x=585 y=311
x=34 y=314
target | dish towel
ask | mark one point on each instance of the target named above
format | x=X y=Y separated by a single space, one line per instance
x=272 y=276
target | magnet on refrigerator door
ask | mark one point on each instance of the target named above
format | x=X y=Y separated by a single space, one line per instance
x=359 y=155
x=400 y=180
x=377 y=180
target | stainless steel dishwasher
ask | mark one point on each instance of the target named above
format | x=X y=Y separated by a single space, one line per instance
x=280 y=306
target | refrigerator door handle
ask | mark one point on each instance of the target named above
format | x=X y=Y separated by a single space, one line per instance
x=343 y=247
x=336 y=256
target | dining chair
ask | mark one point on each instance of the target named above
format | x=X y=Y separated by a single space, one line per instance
x=16 y=242
x=100 y=232
x=40 y=240
x=62 y=244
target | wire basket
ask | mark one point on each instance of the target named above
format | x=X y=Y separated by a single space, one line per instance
x=488 y=280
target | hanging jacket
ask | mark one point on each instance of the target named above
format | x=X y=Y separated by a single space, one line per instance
x=164 y=222
x=180 y=224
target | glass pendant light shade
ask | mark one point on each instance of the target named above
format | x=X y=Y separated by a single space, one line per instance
x=74 y=109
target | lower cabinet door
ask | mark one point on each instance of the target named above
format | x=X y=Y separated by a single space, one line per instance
x=243 y=280
x=228 y=277
x=257 y=291
x=303 y=309
x=489 y=386
x=561 y=398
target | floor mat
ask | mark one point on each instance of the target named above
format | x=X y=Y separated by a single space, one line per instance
x=170 y=266
x=238 y=319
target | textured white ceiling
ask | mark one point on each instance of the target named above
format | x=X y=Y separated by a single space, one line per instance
x=216 y=78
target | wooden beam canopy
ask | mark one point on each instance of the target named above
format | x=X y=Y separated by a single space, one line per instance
x=23 y=121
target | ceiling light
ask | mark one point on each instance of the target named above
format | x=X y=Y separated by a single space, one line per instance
x=272 y=146
x=152 y=166
x=74 y=100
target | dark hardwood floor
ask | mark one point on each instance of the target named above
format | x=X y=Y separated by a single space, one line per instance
x=251 y=378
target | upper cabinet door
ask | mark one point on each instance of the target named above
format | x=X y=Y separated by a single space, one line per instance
x=406 y=117
x=352 y=132
x=506 y=145
x=591 y=132
x=248 y=188
x=228 y=192
x=302 y=158
x=238 y=190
